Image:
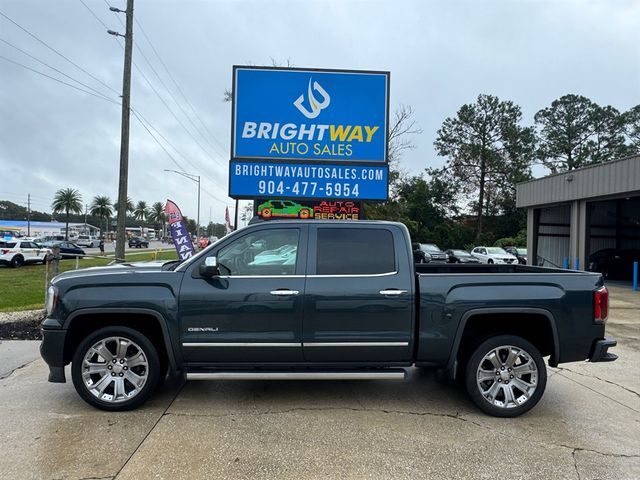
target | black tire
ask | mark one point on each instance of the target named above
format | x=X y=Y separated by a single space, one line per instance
x=17 y=261
x=153 y=373
x=521 y=404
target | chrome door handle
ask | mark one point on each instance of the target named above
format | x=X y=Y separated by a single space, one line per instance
x=393 y=292
x=284 y=293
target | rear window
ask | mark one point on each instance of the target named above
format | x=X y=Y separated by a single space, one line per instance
x=354 y=251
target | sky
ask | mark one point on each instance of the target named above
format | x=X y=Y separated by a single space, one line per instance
x=441 y=55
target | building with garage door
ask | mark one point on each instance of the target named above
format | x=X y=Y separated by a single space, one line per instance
x=585 y=216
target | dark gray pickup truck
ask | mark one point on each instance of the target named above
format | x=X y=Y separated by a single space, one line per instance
x=320 y=300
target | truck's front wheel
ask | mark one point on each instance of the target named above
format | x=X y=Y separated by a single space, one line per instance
x=506 y=376
x=115 y=368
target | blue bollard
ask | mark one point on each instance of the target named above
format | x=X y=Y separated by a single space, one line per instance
x=635 y=276
x=565 y=265
x=576 y=265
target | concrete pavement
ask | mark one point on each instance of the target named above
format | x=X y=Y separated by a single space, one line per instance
x=587 y=426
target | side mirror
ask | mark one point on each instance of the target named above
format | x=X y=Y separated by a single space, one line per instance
x=210 y=267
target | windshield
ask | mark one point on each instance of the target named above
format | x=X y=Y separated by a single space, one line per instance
x=428 y=247
x=496 y=251
x=461 y=253
x=521 y=251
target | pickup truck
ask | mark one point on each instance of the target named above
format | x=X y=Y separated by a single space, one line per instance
x=292 y=300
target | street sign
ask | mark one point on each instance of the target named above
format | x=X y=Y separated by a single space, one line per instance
x=311 y=115
x=312 y=180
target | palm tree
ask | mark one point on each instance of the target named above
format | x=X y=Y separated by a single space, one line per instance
x=101 y=207
x=67 y=200
x=157 y=216
x=129 y=208
x=141 y=212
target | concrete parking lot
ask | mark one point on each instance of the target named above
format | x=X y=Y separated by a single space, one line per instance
x=587 y=425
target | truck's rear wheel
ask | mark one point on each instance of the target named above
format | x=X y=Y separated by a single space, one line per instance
x=506 y=376
x=115 y=368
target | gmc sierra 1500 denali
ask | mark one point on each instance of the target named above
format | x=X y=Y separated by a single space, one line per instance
x=320 y=300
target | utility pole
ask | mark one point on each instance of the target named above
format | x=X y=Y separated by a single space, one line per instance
x=86 y=207
x=124 y=134
x=28 y=214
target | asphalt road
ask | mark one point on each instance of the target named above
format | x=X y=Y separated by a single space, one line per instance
x=587 y=426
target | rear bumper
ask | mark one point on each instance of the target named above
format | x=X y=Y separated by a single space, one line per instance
x=52 y=352
x=599 y=351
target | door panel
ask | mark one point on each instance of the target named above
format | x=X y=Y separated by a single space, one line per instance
x=252 y=312
x=357 y=310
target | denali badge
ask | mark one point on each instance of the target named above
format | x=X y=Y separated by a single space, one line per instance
x=202 y=329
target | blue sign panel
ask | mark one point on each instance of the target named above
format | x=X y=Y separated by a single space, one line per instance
x=330 y=115
x=293 y=180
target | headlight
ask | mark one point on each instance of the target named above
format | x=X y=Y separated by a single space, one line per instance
x=51 y=300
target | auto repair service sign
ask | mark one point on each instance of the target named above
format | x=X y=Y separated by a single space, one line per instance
x=306 y=114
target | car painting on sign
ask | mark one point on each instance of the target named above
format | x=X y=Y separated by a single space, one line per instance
x=309 y=114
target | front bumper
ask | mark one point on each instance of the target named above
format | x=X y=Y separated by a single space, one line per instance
x=599 y=351
x=52 y=352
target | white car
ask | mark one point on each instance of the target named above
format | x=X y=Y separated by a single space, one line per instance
x=87 y=241
x=493 y=255
x=17 y=252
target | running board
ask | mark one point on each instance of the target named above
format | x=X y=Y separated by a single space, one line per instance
x=391 y=374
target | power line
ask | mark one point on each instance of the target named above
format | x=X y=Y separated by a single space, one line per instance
x=143 y=123
x=163 y=100
x=52 y=68
x=166 y=69
x=59 y=81
x=58 y=53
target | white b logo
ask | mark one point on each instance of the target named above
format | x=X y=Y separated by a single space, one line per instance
x=316 y=107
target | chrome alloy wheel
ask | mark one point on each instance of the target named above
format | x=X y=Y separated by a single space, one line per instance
x=115 y=369
x=507 y=376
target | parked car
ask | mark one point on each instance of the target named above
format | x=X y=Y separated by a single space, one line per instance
x=138 y=242
x=67 y=249
x=493 y=255
x=519 y=253
x=17 y=252
x=349 y=304
x=89 y=241
x=460 y=256
x=614 y=264
x=203 y=242
x=428 y=252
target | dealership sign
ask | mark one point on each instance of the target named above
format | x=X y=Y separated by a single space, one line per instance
x=296 y=180
x=311 y=115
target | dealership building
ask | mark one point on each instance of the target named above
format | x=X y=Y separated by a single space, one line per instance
x=575 y=214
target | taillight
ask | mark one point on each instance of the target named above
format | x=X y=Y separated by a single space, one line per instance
x=600 y=305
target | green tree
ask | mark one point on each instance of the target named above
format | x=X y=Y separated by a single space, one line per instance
x=575 y=131
x=632 y=127
x=101 y=207
x=216 y=229
x=129 y=207
x=67 y=200
x=157 y=216
x=141 y=210
x=484 y=145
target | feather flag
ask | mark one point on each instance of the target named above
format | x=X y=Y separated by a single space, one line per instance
x=179 y=232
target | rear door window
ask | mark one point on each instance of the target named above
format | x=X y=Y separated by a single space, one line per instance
x=354 y=251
